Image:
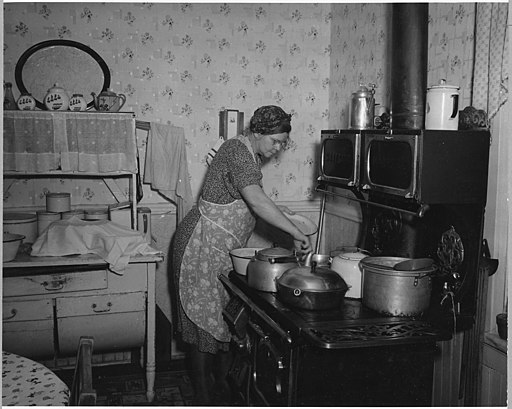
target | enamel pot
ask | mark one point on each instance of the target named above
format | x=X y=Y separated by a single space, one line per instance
x=267 y=265
x=442 y=107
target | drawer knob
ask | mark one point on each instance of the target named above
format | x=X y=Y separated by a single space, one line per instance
x=14 y=311
x=95 y=307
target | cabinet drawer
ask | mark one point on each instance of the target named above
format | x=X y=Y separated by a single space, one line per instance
x=116 y=321
x=100 y=304
x=55 y=283
x=14 y=311
x=33 y=339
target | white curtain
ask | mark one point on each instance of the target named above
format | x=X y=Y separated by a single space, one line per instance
x=490 y=76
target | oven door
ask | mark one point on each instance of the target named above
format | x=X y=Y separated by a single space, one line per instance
x=390 y=164
x=270 y=368
x=340 y=157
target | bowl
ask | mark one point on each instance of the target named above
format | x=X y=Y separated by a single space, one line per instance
x=241 y=257
x=11 y=245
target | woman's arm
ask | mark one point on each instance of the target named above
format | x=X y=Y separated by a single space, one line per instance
x=265 y=208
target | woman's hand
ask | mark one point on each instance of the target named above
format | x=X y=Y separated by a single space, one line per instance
x=303 y=245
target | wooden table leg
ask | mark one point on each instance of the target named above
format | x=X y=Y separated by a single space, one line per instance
x=150 y=319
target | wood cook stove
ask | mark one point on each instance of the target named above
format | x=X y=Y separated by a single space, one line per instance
x=348 y=356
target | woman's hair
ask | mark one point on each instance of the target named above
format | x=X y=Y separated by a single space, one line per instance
x=270 y=120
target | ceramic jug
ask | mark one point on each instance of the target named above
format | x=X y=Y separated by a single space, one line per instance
x=108 y=101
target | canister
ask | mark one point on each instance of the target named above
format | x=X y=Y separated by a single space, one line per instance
x=96 y=214
x=58 y=202
x=44 y=219
x=80 y=213
x=21 y=223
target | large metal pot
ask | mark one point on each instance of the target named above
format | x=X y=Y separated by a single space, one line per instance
x=311 y=288
x=395 y=292
x=267 y=265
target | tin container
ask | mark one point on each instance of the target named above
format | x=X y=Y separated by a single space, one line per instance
x=96 y=214
x=58 y=202
x=44 y=219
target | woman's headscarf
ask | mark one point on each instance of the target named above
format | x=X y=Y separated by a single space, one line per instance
x=267 y=118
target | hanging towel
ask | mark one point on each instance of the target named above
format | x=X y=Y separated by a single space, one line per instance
x=166 y=167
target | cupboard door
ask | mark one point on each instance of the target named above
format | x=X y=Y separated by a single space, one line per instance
x=116 y=321
x=27 y=328
x=55 y=283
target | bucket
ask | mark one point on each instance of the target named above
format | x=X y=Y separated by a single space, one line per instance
x=44 y=219
x=21 y=223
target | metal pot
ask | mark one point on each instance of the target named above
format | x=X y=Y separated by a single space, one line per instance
x=395 y=292
x=311 y=288
x=267 y=265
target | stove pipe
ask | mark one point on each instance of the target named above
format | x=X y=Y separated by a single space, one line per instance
x=409 y=58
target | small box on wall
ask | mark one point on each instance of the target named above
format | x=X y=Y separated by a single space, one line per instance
x=231 y=123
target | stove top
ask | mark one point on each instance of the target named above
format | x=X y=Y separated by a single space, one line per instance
x=343 y=327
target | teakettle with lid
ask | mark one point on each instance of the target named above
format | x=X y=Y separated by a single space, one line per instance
x=108 y=100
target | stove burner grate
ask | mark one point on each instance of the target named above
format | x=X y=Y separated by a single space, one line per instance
x=378 y=333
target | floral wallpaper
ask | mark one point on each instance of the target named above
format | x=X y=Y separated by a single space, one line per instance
x=360 y=42
x=182 y=63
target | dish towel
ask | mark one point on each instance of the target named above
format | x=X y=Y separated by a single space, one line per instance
x=166 y=168
x=112 y=242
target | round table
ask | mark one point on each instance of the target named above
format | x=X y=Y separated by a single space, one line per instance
x=29 y=383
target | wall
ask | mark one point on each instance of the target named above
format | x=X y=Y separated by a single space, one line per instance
x=182 y=63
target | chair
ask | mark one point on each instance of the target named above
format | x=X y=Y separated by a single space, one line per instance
x=82 y=393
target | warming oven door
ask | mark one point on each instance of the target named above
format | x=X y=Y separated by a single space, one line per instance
x=391 y=164
x=340 y=157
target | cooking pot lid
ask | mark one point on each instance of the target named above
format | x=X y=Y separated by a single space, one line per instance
x=443 y=86
x=312 y=279
x=384 y=265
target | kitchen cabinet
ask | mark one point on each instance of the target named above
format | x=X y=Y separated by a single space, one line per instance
x=49 y=302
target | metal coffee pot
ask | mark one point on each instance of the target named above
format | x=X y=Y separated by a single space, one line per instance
x=108 y=101
x=362 y=107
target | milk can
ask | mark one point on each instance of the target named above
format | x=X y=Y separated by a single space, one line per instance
x=362 y=108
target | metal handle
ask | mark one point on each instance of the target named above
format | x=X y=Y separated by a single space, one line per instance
x=14 y=312
x=109 y=307
x=53 y=285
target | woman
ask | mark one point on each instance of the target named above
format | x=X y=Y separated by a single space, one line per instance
x=223 y=219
